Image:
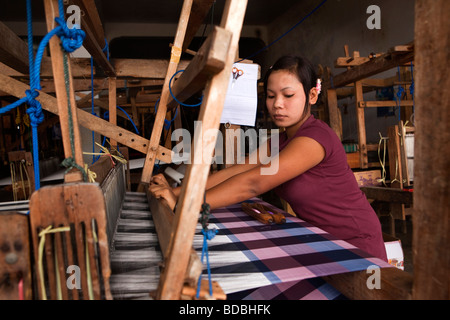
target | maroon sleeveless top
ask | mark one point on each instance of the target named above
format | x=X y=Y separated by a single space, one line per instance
x=328 y=196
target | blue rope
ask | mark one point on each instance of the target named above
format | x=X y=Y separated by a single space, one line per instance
x=173 y=96
x=207 y=235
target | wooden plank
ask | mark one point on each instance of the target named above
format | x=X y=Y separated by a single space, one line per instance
x=71 y=140
x=391 y=195
x=395 y=284
x=374 y=66
x=390 y=103
x=13 y=50
x=112 y=96
x=144 y=68
x=87 y=120
x=335 y=119
x=95 y=38
x=345 y=62
x=209 y=60
x=190 y=199
x=431 y=219
x=162 y=105
x=361 y=125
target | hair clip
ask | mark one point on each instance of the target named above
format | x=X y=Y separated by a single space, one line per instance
x=319 y=86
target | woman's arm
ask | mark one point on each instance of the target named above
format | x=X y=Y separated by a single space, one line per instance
x=300 y=155
x=226 y=173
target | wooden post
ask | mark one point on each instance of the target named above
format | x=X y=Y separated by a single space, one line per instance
x=112 y=104
x=363 y=161
x=162 y=105
x=431 y=217
x=51 y=11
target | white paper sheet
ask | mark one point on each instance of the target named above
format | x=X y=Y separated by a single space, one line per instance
x=242 y=98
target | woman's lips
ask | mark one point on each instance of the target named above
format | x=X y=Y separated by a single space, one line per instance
x=278 y=117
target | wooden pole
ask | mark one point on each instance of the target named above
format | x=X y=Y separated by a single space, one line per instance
x=51 y=11
x=194 y=183
x=112 y=104
x=431 y=217
x=162 y=105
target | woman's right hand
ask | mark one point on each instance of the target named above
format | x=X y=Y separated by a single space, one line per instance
x=160 y=189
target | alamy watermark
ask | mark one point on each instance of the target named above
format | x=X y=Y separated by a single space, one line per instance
x=374 y=20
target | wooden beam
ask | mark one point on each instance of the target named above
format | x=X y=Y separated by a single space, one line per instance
x=431 y=218
x=200 y=9
x=95 y=39
x=209 y=60
x=144 y=68
x=392 y=195
x=162 y=105
x=374 y=66
x=13 y=50
x=112 y=95
x=87 y=120
x=60 y=61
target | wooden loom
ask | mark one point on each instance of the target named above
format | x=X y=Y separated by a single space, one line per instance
x=430 y=231
x=64 y=205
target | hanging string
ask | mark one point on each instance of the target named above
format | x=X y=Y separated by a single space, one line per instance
x=208 y=234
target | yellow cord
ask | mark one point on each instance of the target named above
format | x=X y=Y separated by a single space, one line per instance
x=42 y=235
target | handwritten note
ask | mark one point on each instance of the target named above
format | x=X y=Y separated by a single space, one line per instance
x=242 y=97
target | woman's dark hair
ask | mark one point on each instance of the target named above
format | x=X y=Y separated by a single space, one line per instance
x=300 y=67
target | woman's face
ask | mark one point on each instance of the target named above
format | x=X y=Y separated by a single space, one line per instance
x=285 y=99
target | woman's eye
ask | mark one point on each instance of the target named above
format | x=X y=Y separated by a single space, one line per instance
x=270 y=97
x=289 y=95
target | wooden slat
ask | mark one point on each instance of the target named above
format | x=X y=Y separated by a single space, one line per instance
x=209 y=60
x=196 y=174
x=95 y=39
x=162 y=105
x=200 y=9
x=144 y=68
x=13 y=50
x=87 y=120
x=391 y=195
x=112 y=95
x=431 y=218
x=391 y=103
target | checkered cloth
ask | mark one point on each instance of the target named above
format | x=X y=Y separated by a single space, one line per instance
x=247 y=254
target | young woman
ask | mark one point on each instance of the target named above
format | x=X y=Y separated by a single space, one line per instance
x=313 y=175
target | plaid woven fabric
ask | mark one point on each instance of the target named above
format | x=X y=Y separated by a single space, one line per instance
x=247 y=254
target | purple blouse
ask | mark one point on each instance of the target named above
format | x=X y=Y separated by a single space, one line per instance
x=328 y=196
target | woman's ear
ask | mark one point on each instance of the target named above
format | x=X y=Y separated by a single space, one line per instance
x=313 y=96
